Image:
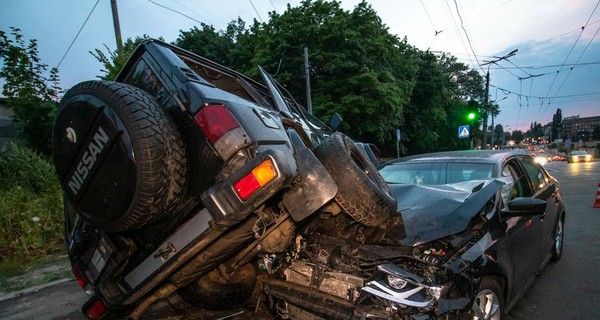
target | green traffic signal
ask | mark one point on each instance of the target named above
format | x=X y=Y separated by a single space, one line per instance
x=471 y=115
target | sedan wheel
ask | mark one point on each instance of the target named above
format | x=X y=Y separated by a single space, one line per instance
x=559 y=234
x=488 y=304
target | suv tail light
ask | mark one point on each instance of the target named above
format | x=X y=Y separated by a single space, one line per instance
x=258 y=177
x=81 y=280
x=215 y=120
x=96 y=310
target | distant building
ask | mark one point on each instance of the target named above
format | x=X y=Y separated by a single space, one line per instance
x=579 y=129
x=8 y=130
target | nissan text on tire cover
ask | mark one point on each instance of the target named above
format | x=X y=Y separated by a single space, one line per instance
x=185 y=177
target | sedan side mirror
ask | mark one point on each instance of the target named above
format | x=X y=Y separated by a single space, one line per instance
x=525 y=207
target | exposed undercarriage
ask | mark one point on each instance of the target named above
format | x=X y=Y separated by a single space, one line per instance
x=354 y=270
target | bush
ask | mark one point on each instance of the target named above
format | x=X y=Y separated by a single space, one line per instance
x=31 y=217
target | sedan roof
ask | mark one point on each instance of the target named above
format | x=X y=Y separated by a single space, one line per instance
x=482 y=156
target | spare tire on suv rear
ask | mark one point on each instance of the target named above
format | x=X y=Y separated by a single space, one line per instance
x=119 y=158
x=362 y=192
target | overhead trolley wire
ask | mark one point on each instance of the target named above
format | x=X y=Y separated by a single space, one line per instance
x=571 y=69
x=200 y=15
x=430 y=21
x=173 y=10
x=490 y=9
x=449 y=11
x=271 y=1
x=506 y=91
x=571 y=50
x=466 y=33
x=77 y=35
x=556 y=37
x=258 y=14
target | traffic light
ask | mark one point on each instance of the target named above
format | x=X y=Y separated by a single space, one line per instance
x=472 y=112
x=471 y=116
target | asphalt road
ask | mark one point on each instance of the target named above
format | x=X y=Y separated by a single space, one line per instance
x=567 y=289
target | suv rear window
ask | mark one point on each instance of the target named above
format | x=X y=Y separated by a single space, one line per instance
x=144 y=78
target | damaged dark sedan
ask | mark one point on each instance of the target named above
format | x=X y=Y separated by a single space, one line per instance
x=472 y=236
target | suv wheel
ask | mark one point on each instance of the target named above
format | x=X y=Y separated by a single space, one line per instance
x=362 y=192
x=120 y=159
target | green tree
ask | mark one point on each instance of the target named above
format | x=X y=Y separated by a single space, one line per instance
x=425 y=113
x=498 y=133
x=444 y=92
x=210 y=43
x=114 y=60
x=31 y=89
x=462 y=83
x=358 y=68
x=375 y=80
x=506 y=137
x=462 y=91
x=517 y=136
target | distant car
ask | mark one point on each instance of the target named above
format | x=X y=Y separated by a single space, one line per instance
x=542 y=151
x=579 y=156
x=559 y=157
x=542 y=160
x=465 y=244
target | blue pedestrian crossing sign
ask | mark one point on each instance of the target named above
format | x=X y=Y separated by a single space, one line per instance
x=463 y=132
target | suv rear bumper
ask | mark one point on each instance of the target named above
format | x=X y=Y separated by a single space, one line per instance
x=223 y=209
x=225 y=205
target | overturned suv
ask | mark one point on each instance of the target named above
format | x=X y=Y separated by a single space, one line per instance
x=181 y=174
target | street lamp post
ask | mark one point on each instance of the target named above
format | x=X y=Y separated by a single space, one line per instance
x=487 y=90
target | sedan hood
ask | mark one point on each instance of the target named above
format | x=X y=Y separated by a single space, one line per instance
x=434 y=212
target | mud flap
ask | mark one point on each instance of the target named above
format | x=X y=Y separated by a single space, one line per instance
x=313 y=186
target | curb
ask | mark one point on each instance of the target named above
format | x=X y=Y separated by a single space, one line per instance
x=16 y=294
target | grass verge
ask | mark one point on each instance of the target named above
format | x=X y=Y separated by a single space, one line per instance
x=31 y=217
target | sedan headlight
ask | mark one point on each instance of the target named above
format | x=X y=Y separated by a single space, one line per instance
x=396 y=282
x=401 y=287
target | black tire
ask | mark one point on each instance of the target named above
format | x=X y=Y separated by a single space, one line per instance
x=216 y=291
x=489 y=300
x=362 y=192
x=559 y=233
x=120 y=159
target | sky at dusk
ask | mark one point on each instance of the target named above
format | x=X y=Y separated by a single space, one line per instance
x=557 y=64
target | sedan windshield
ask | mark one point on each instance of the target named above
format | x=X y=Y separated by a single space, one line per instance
x=435 y=173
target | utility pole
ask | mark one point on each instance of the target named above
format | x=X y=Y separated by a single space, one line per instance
x=496 y=111
x=115 y=14
x=486 y=107
x=307 y=77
